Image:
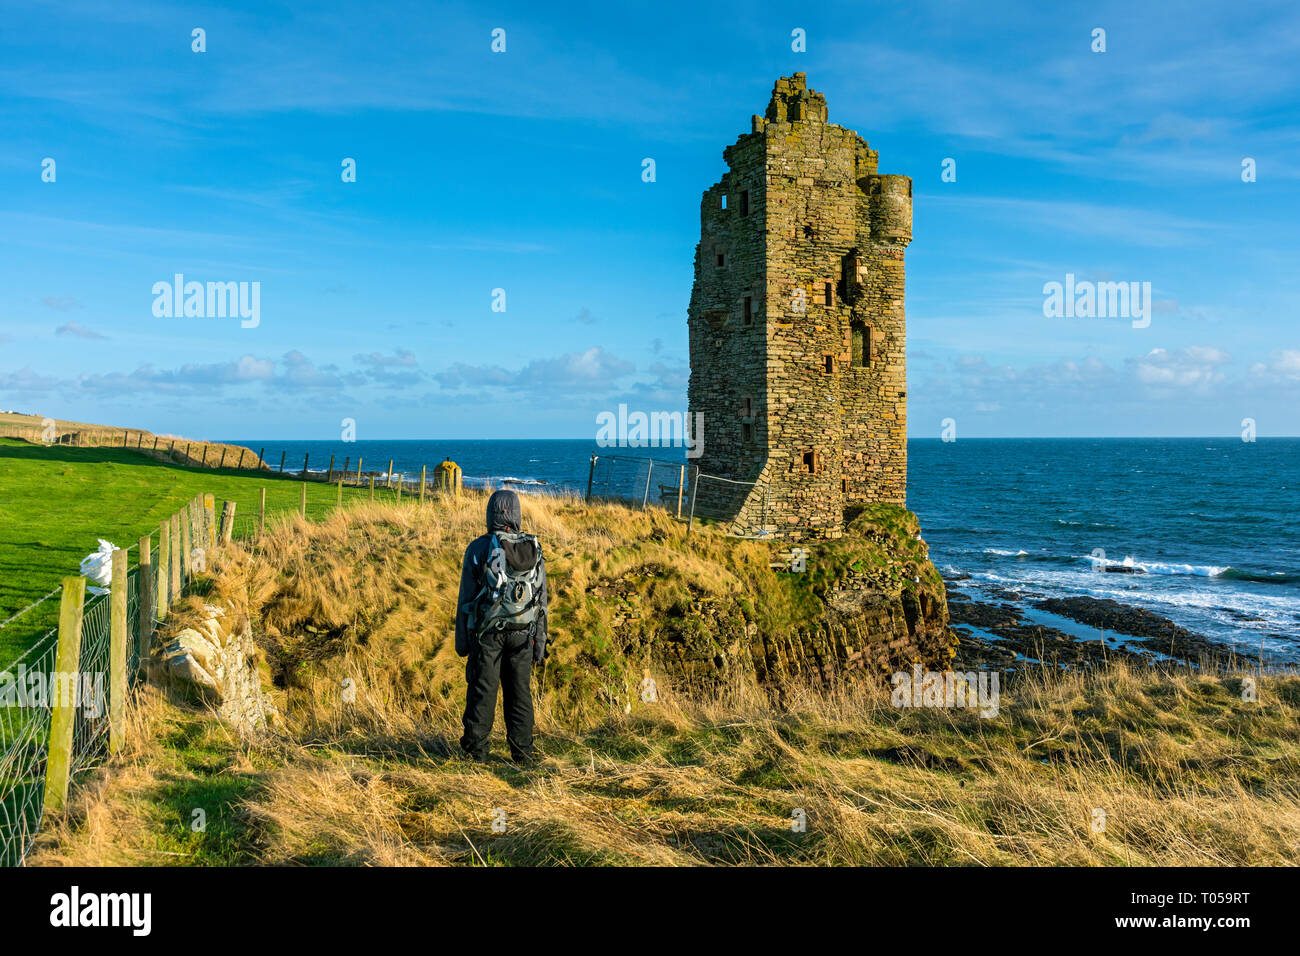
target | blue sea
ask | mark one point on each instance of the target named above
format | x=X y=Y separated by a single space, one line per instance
x=1213 y=523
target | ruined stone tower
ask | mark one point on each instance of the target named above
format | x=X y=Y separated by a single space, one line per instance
x=796 y=325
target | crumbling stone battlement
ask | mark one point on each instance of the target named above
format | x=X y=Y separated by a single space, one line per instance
x=796 y=318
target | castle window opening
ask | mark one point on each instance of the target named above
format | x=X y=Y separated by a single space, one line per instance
x=747 y=432
x=744 y=202
x=724 y=200
x=829 y=364
x=860 y=345
x=722 y=260
x=809 y=461
x=749 y=310
x=830 y=293
x=809 y=232
x=747 y=407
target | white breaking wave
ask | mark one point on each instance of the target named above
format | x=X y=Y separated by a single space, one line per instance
x=1160 y=567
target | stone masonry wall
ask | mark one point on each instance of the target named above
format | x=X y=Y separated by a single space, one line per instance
x=797 y=331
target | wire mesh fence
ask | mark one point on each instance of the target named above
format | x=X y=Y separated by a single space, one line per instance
x=743 y=505
x=24 y=743
x=87 y=688
x=641 y=482
x=31 y=687
x=683 y=490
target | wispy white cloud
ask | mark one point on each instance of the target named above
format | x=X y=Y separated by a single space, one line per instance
x=77 y=330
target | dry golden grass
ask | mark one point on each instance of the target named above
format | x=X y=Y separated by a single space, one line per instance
x=1186 y=773
x=1185 y=770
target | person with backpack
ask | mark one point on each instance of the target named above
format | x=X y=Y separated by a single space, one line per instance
x=501 y=628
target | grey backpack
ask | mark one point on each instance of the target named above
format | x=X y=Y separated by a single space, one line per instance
x=511 y=575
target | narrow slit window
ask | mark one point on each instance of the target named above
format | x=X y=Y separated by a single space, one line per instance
x=830 y=293
x=829 y=364
x=749 y=310
x=724 y=200
x=722 y=260
x=744 y=202
x=747 y=432
x=860 y=344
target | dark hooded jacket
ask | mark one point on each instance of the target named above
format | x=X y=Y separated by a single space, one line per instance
x=503 y=514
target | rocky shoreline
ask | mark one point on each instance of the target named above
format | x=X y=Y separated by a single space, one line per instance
x=1002 y=634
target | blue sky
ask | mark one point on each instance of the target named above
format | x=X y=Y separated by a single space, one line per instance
x=522 y=170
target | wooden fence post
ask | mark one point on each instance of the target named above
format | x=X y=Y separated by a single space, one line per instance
x=194 y=509
x=681 y=486
x=388 y=478
x=227 y=521
x=186 y=456
x=695 y=487
x=187 y=543
x=302 y=499
x=329 y=475
x=399 y=492
x=346 y=461
x=222 y=463
x=358 y=471
x=261 y=511
x=58 y=760
x=645 y=498
x=304 y=465
x=175 y=569
x=171 y=452
x=282 y=463
x=340 y=503
x=210 y=519
x=144 y=592
x=155 y=444
x=372 y=487
x=423 y=469
x=261 y=460
x=117 y=652
x=162 y=575
x=240 y=466
x=591 y=475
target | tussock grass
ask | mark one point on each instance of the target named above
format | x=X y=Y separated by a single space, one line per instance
x=1185 y=771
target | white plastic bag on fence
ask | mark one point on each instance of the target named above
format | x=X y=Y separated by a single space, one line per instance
x=98 y=567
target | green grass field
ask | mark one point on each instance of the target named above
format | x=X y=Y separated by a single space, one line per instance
x=56 y=502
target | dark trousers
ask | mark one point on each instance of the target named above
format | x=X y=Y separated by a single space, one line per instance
x=502 y=658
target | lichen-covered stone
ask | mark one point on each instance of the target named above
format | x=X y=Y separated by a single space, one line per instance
x=213 y=662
